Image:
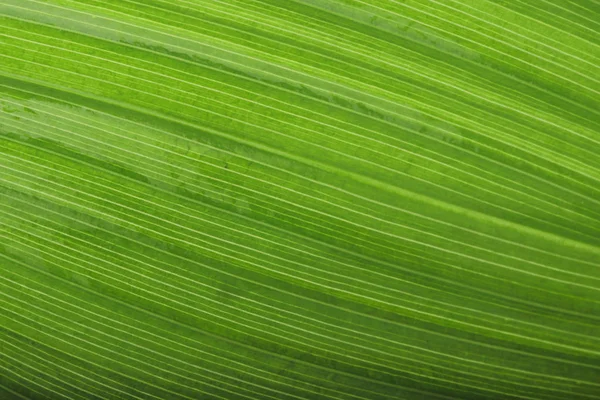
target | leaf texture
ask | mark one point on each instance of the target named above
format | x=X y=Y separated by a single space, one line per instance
x=300 y=199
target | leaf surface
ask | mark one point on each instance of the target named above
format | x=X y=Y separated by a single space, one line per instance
x=304 y=199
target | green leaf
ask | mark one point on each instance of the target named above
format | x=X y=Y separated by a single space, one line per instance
x=301 y=199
